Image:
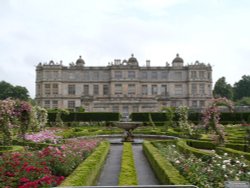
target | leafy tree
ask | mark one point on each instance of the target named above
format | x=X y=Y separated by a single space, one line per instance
x=16 y=92
x=242 y=88
x=223 y=89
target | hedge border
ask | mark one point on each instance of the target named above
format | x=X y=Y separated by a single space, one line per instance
x=128 y=174
x=88 y=171
x=233 y=152
x=185 y=148
x=7 y=149
x=163 y=169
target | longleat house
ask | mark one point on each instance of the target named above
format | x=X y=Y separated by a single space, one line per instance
x=123 y=86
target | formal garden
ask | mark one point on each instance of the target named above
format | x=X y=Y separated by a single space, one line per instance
x=50 y=148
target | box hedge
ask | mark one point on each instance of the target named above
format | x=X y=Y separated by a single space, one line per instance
x=85 y=116
x=166 y=173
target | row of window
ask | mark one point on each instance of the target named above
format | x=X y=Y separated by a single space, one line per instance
x=131 y=89
x=72 y=105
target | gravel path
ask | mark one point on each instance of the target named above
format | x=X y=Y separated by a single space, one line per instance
x=111 y=170
x=145 y=174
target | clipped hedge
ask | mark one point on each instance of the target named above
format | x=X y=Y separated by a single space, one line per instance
x=183 y=147
x=195 y=117
x=233 y=152
x=239 y=147
x=33 y=145
x=166 y=173
x=85 y=116
x=128 y=175
x=88 y=171
x=201 y=144
x=5 y=149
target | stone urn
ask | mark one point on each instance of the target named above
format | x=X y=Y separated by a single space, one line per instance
x=128 y=127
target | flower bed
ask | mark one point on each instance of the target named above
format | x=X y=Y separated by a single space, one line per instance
x=210 y=173
x=44 y=168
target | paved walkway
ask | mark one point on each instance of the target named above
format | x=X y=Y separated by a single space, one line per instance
x=145 y=174
x=111 y=170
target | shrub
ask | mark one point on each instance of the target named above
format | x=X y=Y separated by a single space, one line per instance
x=164 y=170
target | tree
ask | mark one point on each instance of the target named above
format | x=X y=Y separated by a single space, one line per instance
x=242 y=88
x=223 y=89
x=16 y=92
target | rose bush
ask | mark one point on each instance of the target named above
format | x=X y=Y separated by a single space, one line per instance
x=206 y=173
x=44 y=168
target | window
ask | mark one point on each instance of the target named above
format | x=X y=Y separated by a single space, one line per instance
x=144 y=75
x=115 y=108
x=47 y=89
x=209 y=75
x=118 y=89
x=194 y=88
x=71 y=104
x=154 y=89
x=178 y=76
x=96 y=76
x=71 y=75
x=194 y=104
x=135 y=109
x=86 y=90
x=96 y=89
x=202 y=88
x=193 y=74
x=86 y=75
x=71 y=89
x=131 y=89
x=144 y=90
x=54 y=104
x=105 y=90
x=131 y=74
x=178 y=89
x=154 y=75
x=201 y=74
x=164 y=90
x=118 y=74
x=47 y=104
x=202 y=103
x=164 y=75
x=55 y=89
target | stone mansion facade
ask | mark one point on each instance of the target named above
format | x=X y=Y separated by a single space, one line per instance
x=123 y=86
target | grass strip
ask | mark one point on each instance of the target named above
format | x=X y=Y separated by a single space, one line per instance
x=128 y=175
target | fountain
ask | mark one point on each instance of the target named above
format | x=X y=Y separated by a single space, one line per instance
x=128 y=127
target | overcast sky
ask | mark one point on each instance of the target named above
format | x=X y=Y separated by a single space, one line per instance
x=211 y=31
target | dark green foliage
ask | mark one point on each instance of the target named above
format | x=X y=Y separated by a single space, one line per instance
x=144 y=116
x=223 y=89
x=85 y=116
x=242 y=88
x=194 y=117
x=164 y=170
x=201 y=144
x=15 y=92
x=239 y=147
x=86 y=173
